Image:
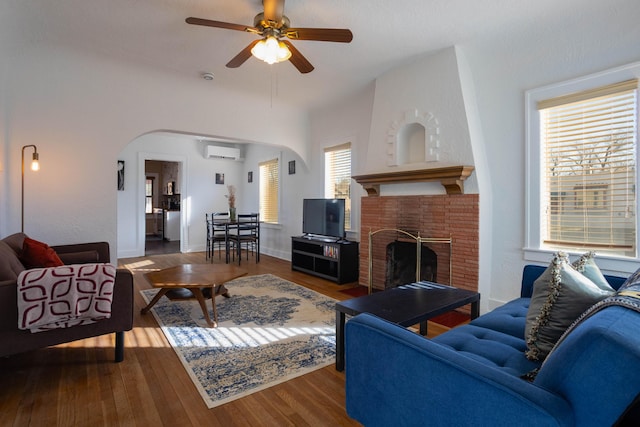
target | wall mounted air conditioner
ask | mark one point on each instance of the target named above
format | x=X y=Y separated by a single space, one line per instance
x=222 y=152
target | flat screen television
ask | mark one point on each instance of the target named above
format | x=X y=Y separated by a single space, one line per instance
x=323 y=217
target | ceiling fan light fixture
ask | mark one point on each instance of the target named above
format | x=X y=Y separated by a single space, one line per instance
x=271 y=25
x=271 y=50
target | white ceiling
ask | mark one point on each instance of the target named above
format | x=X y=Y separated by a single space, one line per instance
x=153 y=33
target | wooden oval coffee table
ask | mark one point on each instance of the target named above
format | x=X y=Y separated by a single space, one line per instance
x=194 y=277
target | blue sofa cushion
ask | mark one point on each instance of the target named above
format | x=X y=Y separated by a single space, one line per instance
x=509 y=318
x=560 y=295
x=491 y=348
x=495 y=339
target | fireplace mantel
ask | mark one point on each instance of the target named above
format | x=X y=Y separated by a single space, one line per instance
x=451 y=177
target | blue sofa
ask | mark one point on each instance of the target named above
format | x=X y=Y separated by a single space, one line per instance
x=475 y=374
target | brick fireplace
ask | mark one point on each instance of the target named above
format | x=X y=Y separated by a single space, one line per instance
x=454 y=215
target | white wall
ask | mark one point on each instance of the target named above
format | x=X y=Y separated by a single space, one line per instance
x=84 y=111
x=347 y=121
x=431 y=84
x=200 y=194
x=502 y=70
x=486 y=116
x=198 y=190
x=275 y=239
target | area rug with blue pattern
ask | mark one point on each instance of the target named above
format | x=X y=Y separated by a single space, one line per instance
x=268 y=332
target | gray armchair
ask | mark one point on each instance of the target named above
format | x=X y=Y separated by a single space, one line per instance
x=14 y=340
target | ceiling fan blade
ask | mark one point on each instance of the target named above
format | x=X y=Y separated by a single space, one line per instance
x=220 y=24
x=244 y=54
x=320 y=34
x=273 y=10
x=298 y=60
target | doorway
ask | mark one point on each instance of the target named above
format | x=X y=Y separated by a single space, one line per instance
x=162 y=207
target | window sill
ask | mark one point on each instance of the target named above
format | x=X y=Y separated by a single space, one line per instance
x=271 y=225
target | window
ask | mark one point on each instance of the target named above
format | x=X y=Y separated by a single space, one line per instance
x=587 y=171
x=269 y=188
x=148 y=195
x=337 y=177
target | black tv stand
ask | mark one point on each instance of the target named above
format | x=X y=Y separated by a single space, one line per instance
x=329 y=258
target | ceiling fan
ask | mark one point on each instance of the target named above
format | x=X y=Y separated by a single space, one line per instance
x=272 y=25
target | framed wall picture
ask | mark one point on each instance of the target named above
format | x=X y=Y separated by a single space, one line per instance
x=120 y=175
x=219 y=178
x=292 y=167
x=250 y=177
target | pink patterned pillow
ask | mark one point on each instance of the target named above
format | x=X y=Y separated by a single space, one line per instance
x=64 y=296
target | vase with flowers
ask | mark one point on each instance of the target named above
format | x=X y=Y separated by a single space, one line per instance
x=232 y=202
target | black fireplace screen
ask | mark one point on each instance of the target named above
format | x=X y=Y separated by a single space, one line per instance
x=401 y=263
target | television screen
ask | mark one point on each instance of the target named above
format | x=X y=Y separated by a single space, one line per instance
x=323 y=217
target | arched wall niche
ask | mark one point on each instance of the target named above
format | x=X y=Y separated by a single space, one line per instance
x=414 y=139
x=411 y=143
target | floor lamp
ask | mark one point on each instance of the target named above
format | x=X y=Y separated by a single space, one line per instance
x=35 y=165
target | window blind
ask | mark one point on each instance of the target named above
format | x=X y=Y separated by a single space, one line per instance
x=589 y=159
x=337 y=173
x=148 y=193
x=269 y=187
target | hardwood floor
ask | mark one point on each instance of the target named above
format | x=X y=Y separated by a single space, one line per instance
x=78 y=384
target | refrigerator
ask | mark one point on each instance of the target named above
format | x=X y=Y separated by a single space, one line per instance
x=171 y=225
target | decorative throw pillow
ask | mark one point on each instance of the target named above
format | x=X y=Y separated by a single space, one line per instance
x=631 y=288
x=36 y=254
x=634 y=278
x=587 y=266
x=627 y=296
x=560 y=295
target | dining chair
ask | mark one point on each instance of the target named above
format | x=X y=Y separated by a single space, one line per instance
x=209 y=242
x=218 y=237
x=247 y=235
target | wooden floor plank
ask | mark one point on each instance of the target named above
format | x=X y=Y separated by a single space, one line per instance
x=79 y=384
